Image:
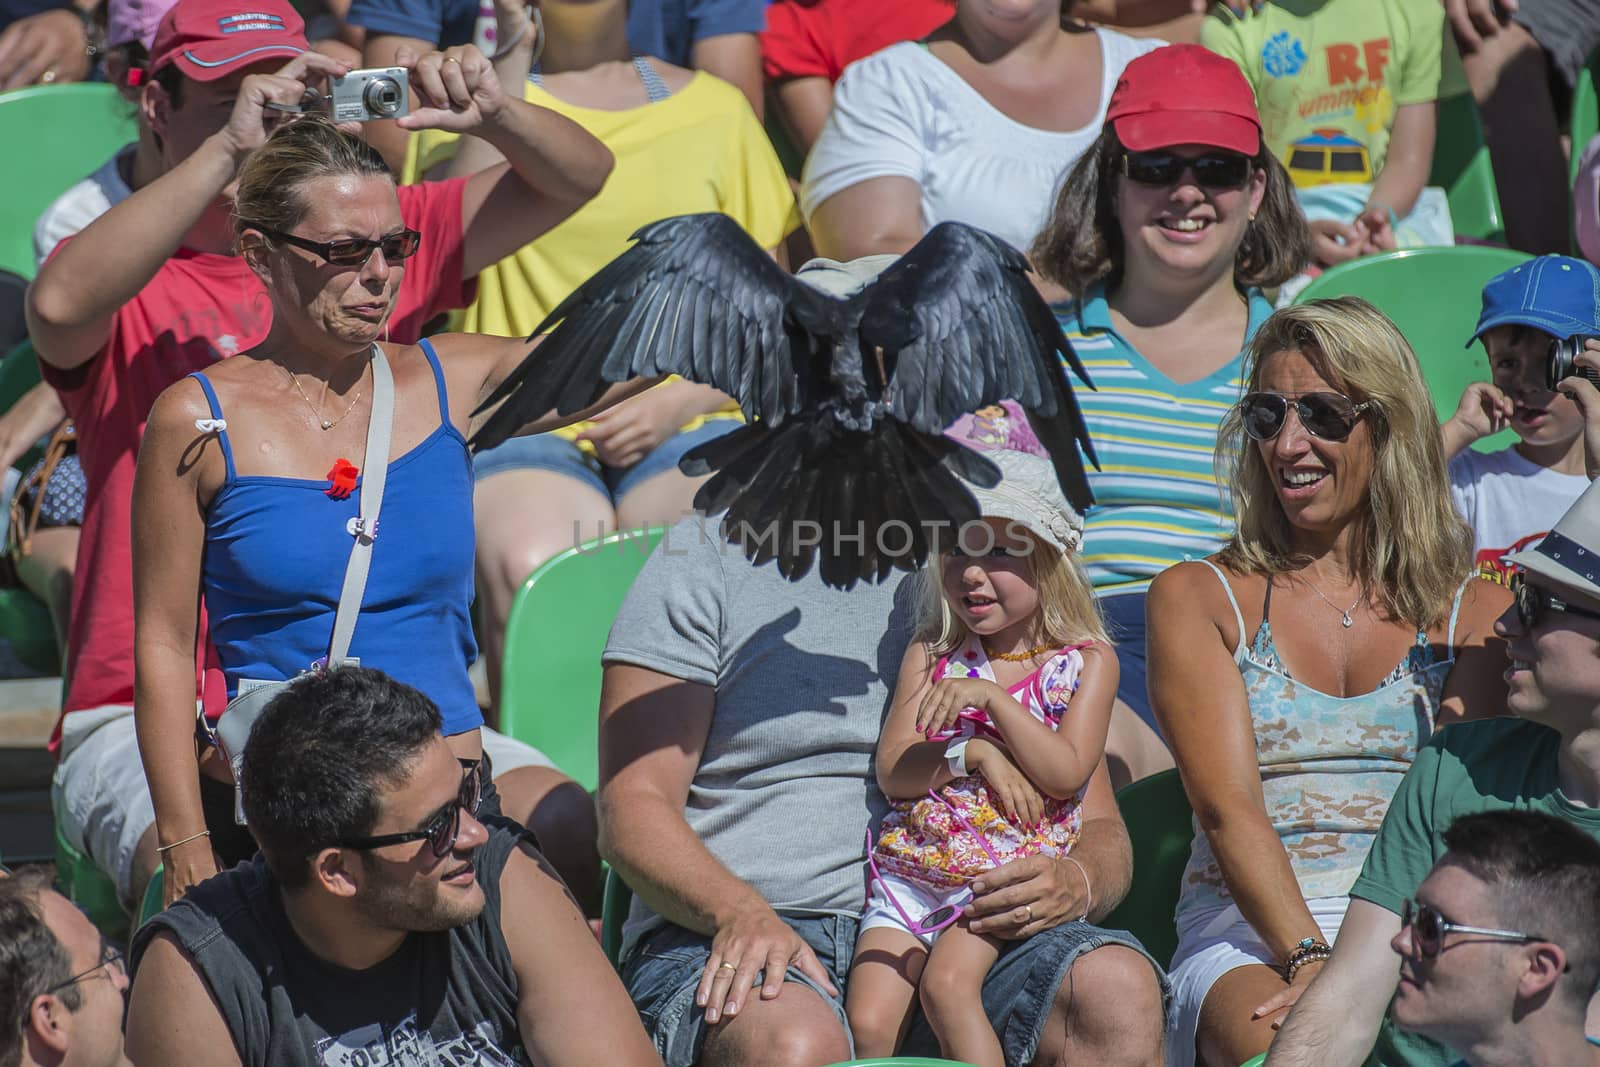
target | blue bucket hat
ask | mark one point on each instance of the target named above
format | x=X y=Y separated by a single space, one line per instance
x=1557 y=294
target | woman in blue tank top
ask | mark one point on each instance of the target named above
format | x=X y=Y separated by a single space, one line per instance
x=250 y=476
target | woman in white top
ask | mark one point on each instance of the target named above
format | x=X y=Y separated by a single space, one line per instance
x=976 y=123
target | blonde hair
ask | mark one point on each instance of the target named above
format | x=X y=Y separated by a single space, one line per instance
x=1068 y=609
x=1358 y=351
x=300 y=151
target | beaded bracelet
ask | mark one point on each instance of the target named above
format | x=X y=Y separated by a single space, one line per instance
x=1309 y=949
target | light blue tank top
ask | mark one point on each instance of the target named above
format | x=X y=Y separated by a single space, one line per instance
x=1329 y=765
x=275 y=557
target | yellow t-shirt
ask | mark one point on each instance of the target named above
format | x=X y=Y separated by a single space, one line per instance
x=1330 y=74
x=700 y=149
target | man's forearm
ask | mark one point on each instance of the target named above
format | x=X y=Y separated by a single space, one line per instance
x=1106 y=855
x=1335 y=1022
x=668 y=867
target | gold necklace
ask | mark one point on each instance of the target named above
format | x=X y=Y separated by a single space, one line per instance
x=1019 y=657
x=327 y=423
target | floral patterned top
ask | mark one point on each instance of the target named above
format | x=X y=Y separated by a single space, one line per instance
x=1329 y=765
x=923 y=841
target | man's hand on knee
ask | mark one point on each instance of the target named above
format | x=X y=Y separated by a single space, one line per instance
x=754 y=940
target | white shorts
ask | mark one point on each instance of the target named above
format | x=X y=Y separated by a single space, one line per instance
x=508 y=754
x=1210 y=944
x=917 y=899
x=98 y=794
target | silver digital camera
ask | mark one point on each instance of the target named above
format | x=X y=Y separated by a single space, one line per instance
x=364 y=95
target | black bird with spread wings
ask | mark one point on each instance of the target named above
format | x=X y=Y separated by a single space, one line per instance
x=844 y=457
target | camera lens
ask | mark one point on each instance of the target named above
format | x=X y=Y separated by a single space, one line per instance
x=383 y=97
x=1563 y=354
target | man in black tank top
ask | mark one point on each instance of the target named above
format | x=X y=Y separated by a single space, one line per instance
x=383 y=922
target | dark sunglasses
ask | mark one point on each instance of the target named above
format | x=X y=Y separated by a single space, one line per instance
x=441 y=831
x=1329 y=416
x=1429 y=927
x=110 y=960
x=352 y=251
x=1534 y=603
x=1214 y=170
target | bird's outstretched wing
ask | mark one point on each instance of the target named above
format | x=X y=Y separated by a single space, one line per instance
x=961 y=327
x=694 y=296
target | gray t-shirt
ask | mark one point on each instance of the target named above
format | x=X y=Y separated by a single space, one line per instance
x=785 y=791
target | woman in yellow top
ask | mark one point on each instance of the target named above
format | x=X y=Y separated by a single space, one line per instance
x=684 y=142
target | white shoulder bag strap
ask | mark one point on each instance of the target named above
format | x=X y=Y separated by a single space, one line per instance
x=365 y=528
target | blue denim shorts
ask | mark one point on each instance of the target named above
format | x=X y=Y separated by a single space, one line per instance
x=548 y=452
x=1124 y=613
x=663 y=971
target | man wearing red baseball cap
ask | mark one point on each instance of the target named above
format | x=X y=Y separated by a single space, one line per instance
x=151 y=291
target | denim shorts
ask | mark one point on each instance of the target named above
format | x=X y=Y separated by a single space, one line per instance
x=548 y=452
x=663 y=971
x=1124 y=613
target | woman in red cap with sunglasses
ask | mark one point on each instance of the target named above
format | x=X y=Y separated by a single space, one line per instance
x=1165 y=231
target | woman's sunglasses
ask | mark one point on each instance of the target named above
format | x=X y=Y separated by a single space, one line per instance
x=441 y=831
x=947 y=913
x=1534 y=603
x=1428 y=929
x=1214 y=170
x=1329 y=416
x=352 y=251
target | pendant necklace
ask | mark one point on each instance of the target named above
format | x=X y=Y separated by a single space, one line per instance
x=324 y=421
x=1344 y=618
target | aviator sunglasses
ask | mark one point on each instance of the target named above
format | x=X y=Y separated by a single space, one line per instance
x=1429 y=927
x=352 y=251
x=441 y=830
x=1329 y=416
x=1213 y=170
x=1534 y=603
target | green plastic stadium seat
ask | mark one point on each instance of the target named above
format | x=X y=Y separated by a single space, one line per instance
x=1461 y=167
x=1585 y=121
x=613 y=913
x=81 y=882
x=1255 y=1062
x=1157 y=813
x=1433 y=295
x=550 y=683
x=69 y=130
x=152 y=895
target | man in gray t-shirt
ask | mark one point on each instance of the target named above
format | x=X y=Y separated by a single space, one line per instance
x=738 y=721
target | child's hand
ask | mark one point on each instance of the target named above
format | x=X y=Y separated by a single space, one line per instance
x=1484 y=409
x=1376 y=227
x=948 y=698
x=1332 y=242
x=1019 y=800
x=1581 y=391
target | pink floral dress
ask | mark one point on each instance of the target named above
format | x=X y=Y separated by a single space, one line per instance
x=922 y=841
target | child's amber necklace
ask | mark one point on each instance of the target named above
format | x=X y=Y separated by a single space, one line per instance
x=1019 y=657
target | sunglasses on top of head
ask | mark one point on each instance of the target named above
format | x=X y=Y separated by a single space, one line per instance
x=352 y=251
x=1330 y=416
x=442 y=829
x=1212 y=170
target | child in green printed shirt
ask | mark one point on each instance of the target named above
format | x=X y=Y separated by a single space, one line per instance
x=1348 y=93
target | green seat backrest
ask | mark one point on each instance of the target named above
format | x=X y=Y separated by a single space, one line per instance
x=1461 y=167
x=1255 y=1061
x=91 y=889
x=153 y=894
x=1585 y=113
x=1434 y=296
x=613 y=913
x=550 y=684
x=1157 y=813
x=69 y=131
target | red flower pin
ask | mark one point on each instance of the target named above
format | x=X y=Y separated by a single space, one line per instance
x=342 y=479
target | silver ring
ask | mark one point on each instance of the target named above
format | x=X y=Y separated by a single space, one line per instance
x=47 y=77
x=730 y=966
x=451 y=59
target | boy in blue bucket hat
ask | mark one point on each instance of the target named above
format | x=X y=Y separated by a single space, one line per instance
x=1512 y=497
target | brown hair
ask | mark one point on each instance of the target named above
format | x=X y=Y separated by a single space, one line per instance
x=1411 y=548
x=1082 y=242
x=310 y=147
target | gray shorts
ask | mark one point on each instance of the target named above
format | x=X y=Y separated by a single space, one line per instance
x=1568 y=30
x=664 y=969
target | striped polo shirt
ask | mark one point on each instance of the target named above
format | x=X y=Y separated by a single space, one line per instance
x=1157 y=499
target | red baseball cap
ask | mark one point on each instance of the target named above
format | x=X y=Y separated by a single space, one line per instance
x=210 y=39
x=1184 y=94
